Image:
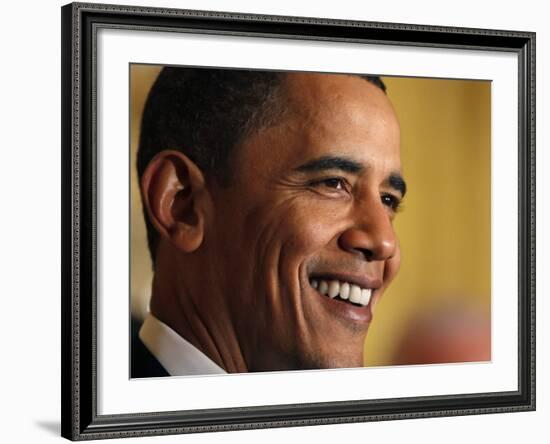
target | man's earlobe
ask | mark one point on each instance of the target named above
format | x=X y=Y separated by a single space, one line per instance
x=173 y=190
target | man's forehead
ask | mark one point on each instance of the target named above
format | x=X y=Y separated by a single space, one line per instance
x=333 y=104
x=323 y=86
x=336 y=99
x=328 y=115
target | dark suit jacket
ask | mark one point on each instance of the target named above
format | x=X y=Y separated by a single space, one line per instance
x=143 y=363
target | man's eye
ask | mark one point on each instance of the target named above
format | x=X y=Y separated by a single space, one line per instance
x=391 y=201
x=334 y=182
x=331 y=186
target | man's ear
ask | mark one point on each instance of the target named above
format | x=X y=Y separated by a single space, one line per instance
x=174 y=194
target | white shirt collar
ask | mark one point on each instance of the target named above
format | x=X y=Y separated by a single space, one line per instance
x=175 y=354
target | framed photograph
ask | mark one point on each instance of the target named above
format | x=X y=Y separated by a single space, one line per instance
x=280 y=221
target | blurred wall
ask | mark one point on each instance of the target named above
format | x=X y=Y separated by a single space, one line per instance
x=445 y=225
x=141 y=80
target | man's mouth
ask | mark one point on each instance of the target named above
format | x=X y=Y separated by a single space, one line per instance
x=343 y=291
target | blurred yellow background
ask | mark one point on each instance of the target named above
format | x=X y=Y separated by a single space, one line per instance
x=443 y=291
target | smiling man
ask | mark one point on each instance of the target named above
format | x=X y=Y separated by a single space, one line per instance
x=269 y=200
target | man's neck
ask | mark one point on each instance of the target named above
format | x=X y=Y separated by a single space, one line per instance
x=197 y=315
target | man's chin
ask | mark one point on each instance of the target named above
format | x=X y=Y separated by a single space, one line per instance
x=347 y=357
x=341 y=362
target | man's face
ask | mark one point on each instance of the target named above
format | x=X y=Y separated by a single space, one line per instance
x=310 y=211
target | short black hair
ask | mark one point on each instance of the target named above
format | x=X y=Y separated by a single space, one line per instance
x=205 y=113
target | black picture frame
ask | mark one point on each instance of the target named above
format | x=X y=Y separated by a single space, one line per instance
x=80 y=419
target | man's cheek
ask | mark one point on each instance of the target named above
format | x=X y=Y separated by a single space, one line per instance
x=314 y=228
x=300 y=234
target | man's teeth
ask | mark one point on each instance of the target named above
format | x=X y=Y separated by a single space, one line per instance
x=333 y=289
x=345 y=290
x=355 y=294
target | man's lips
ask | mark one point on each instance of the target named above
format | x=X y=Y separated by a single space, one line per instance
x=346 y=295
x=363 y=281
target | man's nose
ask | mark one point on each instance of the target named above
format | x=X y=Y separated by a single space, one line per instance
x=371 y=235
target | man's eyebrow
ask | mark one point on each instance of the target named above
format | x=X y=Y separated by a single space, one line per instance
x=396 y=181
x=331 y=163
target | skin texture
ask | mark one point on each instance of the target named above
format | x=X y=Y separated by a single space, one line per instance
x=234 y=263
